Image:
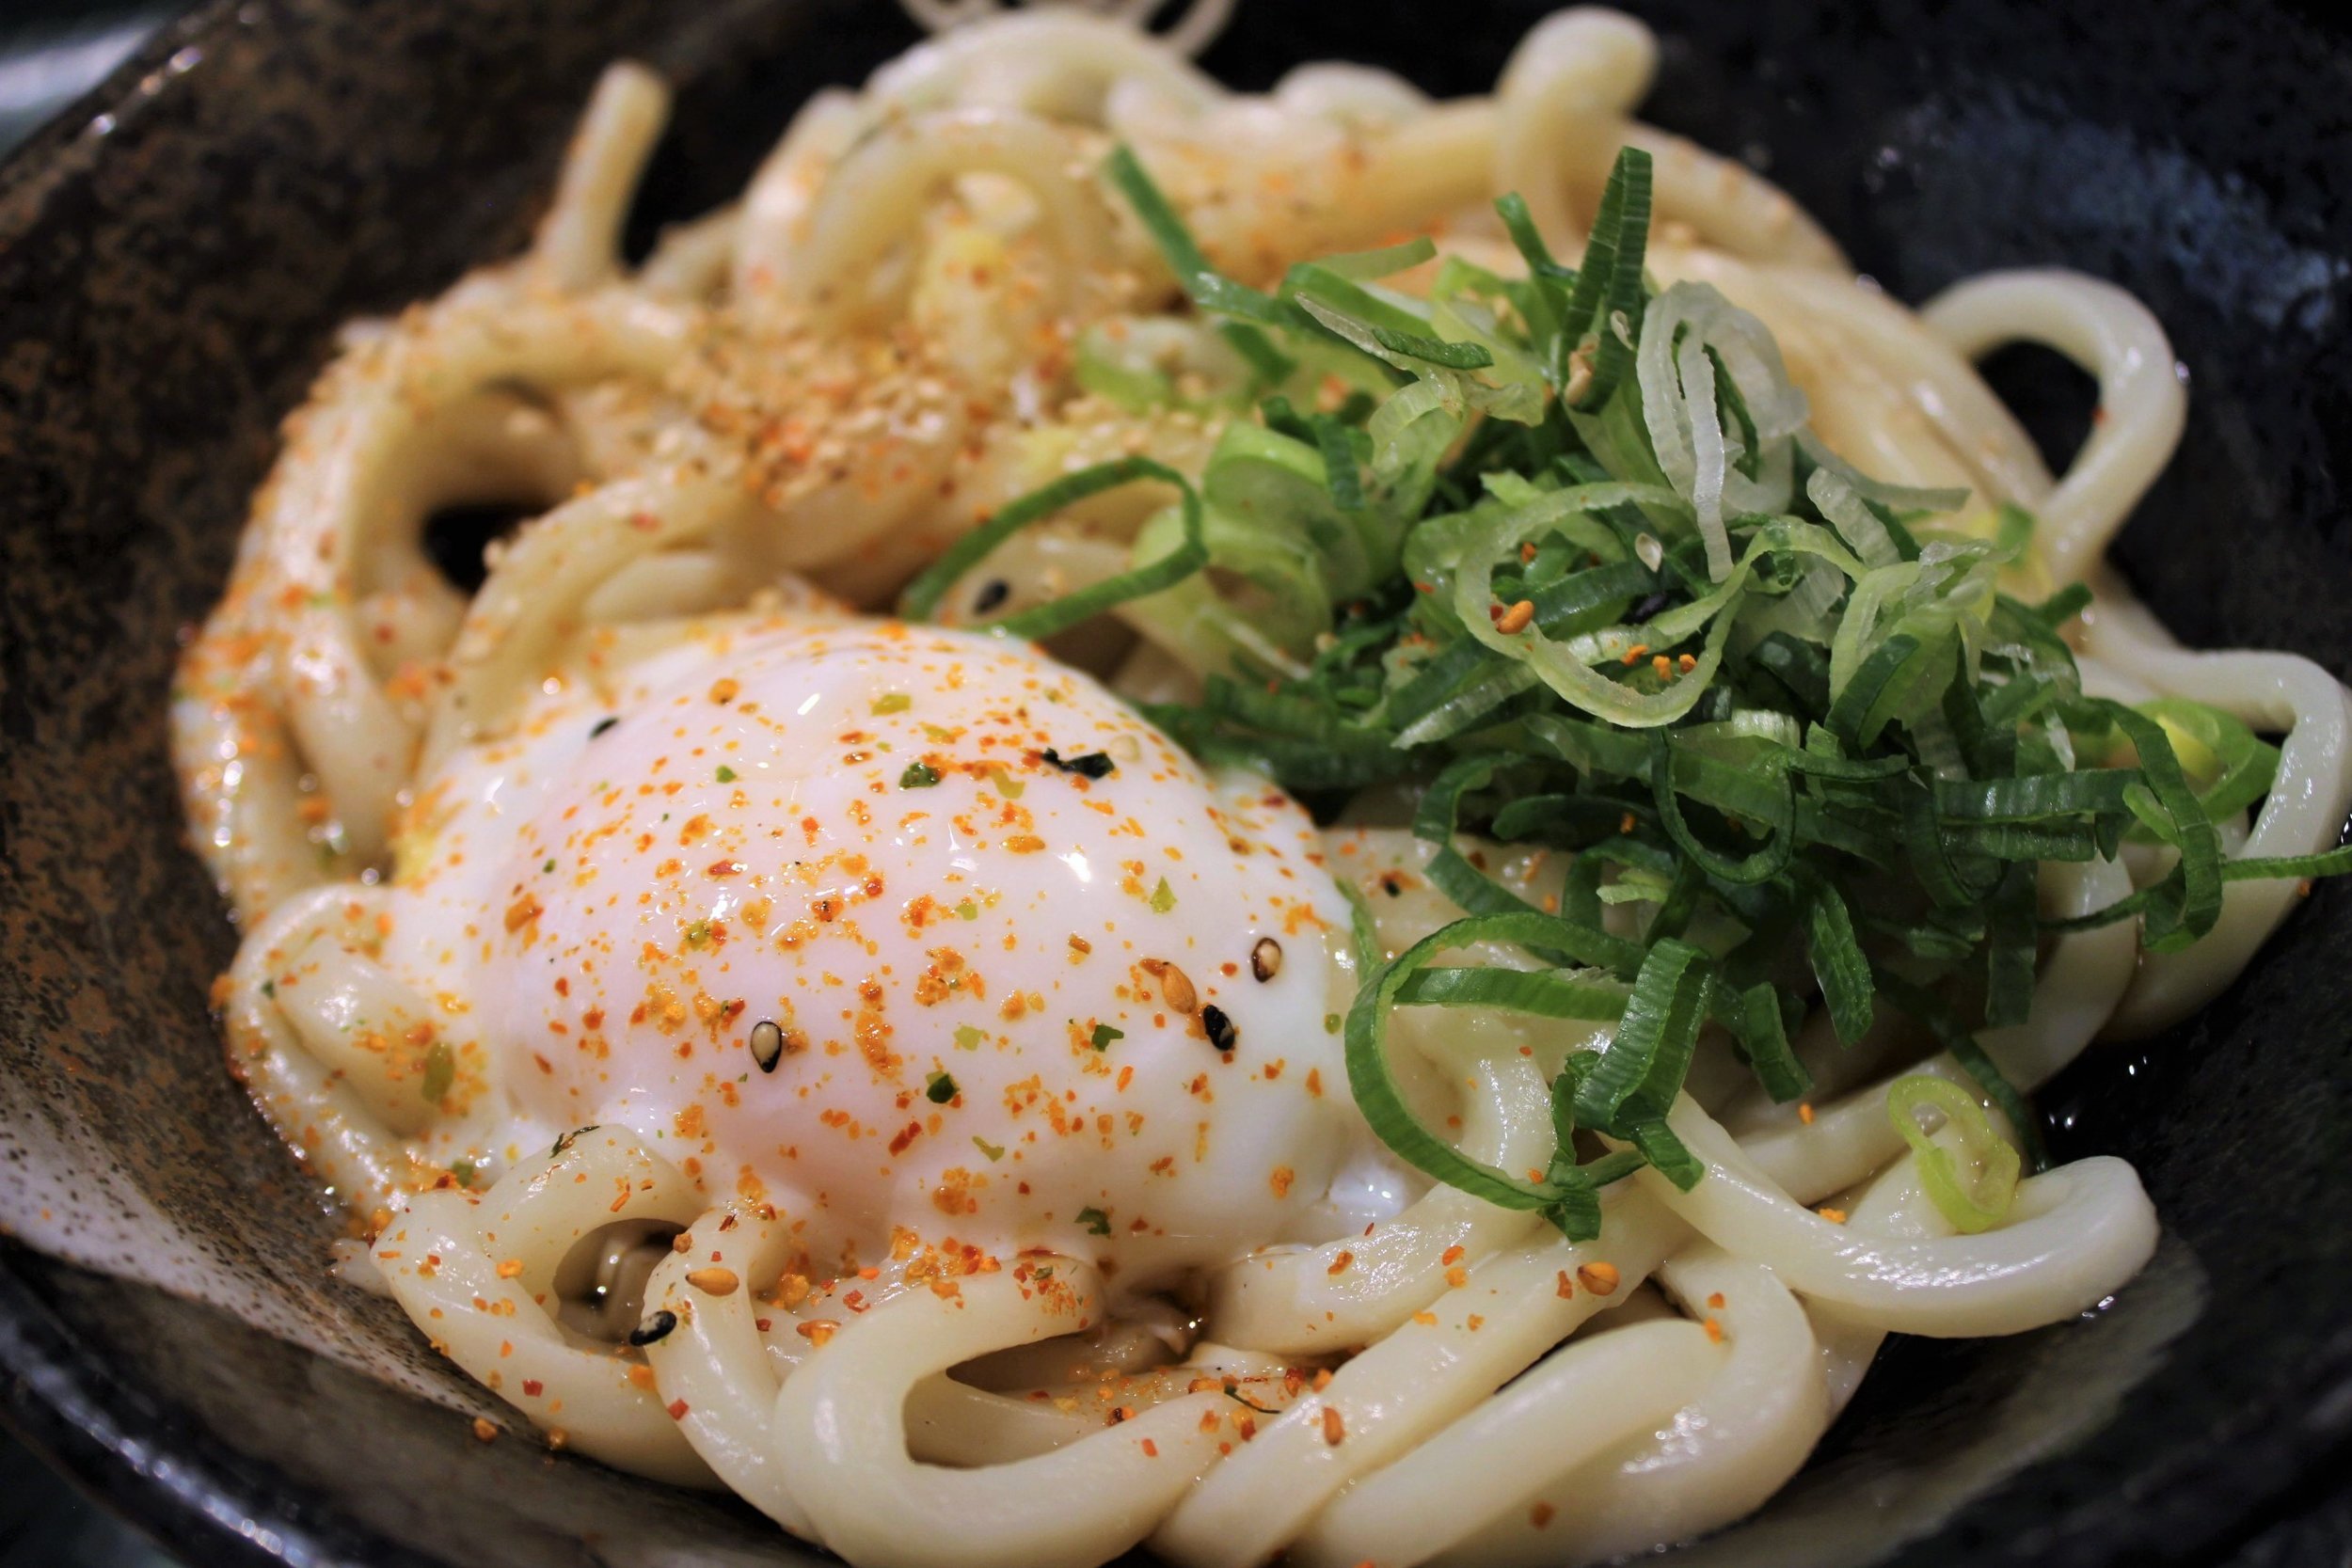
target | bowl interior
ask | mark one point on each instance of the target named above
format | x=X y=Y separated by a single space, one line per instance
x=175 y=256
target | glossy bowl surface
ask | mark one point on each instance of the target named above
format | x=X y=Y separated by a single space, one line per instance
x=176 y=253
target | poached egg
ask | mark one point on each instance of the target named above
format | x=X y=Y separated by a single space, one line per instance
x=899 y=929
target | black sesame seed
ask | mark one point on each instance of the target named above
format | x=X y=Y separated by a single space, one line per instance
x=767 y=1044
x=602 y=725
x=995 y=593
x=1220 y=1028
x=1093 y=764
x=657 y=1327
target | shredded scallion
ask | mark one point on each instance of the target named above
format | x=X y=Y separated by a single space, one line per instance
x=1568 y=561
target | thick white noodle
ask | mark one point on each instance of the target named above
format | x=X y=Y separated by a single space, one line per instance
x=1570 y=1407
x=2075 y=1235
x=872 y=1503
x=1403 y=1388
x=875 y=195
x=2142 y=402
x=1713 y=1458
x=1563 y=108
x=1125 y=26
x=317 y=1104
x=2304 y=814
x=578 y=245
x=475 y=1274
x=2081 y=982
x=715 y=1363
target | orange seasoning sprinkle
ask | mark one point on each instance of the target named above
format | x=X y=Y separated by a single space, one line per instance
x=1805 y=1112
x=1834 y=1216
x=818 y=1332
x=1662 y=667
x=1567 y=1287
x=1516 y=619
x=1338 y=1264
x=1539 y=1516
x=1633 y=655
x=1716 y=1301
x=1334 y=1430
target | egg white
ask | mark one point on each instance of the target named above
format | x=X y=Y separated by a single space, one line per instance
x=979 y=981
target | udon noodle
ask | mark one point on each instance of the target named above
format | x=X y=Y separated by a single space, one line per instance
x=930 y=301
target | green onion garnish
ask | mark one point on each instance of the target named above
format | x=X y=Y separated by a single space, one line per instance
x=1566 y=560
x=1971 y=1205
x=440 y=1071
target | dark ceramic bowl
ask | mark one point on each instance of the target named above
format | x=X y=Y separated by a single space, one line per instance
x=176 y=253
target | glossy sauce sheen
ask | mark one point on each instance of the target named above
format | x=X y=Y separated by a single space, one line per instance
x=755 y=840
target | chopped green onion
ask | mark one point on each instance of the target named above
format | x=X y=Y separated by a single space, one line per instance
x=923 y=595
x=1566 y=560
x=1973 y=1205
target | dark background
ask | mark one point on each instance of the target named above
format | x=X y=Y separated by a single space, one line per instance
x=50 y=54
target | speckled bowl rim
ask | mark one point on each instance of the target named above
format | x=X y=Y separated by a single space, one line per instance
x=106 y=1437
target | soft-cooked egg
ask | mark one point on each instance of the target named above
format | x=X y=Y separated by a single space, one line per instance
x=894 y=927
